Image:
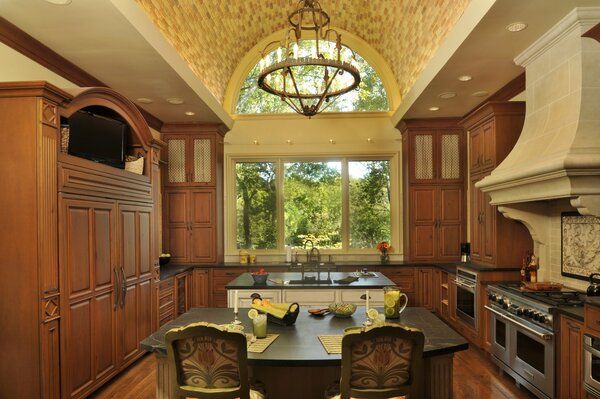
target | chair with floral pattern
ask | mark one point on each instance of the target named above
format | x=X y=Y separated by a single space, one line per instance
x=209 y=362
x=381 y=363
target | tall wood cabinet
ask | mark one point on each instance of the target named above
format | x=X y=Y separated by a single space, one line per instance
x=193 y=189
x=434 y=168
x=493 y=131
x=79 y=236
x=570 y=355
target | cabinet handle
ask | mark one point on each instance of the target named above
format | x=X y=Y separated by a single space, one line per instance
x=118 y=289
x=123 y=288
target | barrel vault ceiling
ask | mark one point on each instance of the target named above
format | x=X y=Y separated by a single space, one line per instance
x=214 y=35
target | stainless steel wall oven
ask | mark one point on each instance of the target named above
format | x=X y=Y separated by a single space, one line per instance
x=466 y=296
x=591 y=364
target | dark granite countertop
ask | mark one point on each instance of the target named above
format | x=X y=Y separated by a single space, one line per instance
x=593 y=300
x=245 y=281
x=571 y=311
x=171 y=270
x=298 y=344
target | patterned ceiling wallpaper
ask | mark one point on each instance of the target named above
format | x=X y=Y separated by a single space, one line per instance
x=214 y=35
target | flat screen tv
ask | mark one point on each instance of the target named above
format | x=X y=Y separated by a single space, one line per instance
x=97 y=138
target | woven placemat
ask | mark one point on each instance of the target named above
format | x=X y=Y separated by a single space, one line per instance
x=260 y=345
x=331 y=343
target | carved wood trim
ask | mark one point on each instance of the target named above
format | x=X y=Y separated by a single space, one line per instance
x=50 y=308
x=191 y=128
x=33 y=49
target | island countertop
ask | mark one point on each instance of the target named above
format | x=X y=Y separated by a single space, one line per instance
x=245 y=281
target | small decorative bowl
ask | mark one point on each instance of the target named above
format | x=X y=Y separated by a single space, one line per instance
x=340 y=309
x=260 y=278
x=163 y=260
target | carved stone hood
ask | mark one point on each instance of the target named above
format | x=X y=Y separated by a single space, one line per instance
x=557 y=155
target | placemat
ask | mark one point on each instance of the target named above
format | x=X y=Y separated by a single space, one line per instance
x=331 y=343
x=260 y=345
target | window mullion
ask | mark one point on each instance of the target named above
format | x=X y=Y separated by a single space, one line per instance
x=345 y=206
x=280 y=206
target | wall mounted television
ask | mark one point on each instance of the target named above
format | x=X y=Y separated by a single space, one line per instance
x=97 y=138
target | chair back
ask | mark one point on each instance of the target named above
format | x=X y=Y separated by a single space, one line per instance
x=382 y=362
x=208 y=362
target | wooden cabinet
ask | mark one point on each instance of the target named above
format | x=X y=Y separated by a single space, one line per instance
x=200 y=288
x=433 y=154
x=192 y=197
x=166 y=301
x=77 y=299
x=183 y=292
x=219 y=279
x=190 y=225
x=405 y=278
x=570 y=364
x=426 y=295
x=493 y=131
x=436 y=222
x=190 y=160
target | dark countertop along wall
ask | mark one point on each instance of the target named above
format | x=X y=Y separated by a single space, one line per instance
x=170 y=270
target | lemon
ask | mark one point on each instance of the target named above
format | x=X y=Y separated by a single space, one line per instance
x=389 y=311
x=389 y=301
x=373 y=314
x=252 y=313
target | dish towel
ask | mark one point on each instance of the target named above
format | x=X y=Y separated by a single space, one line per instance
x=347 y=280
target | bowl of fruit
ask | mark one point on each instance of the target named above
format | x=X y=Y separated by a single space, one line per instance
x=260 y=277
x=341 y=309
x=163 y=259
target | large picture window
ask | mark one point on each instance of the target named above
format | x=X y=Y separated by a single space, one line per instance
x=337 y=204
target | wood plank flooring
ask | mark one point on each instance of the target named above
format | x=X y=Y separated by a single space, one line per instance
x=475 y=377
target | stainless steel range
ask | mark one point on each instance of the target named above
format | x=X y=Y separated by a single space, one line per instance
x=522 y=333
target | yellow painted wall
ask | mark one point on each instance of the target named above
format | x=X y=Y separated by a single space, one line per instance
x=311 y=138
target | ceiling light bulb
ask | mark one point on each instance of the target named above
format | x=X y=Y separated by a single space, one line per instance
x=175 y=101
x=369 y=140
x=516 y=26
x=190 y=113
x=434 y=108
x=447 y=95
x=144 y=100
x=481 y=93
x=465 y=78
x=255 y=142
x=331 y=141
x=290 y=142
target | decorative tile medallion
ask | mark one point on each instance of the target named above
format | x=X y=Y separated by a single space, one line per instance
x=580 y=249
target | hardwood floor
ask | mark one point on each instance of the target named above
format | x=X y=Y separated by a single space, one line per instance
x=475 y=377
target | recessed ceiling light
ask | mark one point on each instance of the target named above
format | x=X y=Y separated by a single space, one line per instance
x=481 y=93
x=516 y=26
x=144 y=100
x=175 y=101
x=190 y=113
x=465 y=78
x=59 y=2
x=447 y=95
x=434 y=108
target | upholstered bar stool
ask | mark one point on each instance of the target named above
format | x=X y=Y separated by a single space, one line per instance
x=381 y=363
x=209 y=362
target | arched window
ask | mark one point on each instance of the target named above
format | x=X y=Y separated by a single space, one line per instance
x=369 y=97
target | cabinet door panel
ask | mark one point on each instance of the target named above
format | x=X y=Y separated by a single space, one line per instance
x=144 y=327
x=79 y=357
x=203 y=244
x=489 y=230
x=476 y=229
x=78 y=254
x=450 y=149
x=104 y=349
x=177 y=172
x=202 y=208
x=144 y=242
x=202 y=160
x=103 y=239
x=476 y=145
x=178 y=243
x=200 y=288
x=489 y=145
x=177 y=207
x=128 y=242
x=449 y=241
x=451 y=205
x=127 y=327
x=423 y=242
x=422 y=157
x=423 y=205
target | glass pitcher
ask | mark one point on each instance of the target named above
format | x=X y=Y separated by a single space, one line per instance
x=391 y=302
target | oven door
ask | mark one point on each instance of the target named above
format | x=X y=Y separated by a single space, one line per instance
x=532 y=356
x=466 y=302
x=591 y=364
x=500 y=336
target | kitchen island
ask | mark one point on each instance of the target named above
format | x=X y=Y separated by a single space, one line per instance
x=296 y=365
x=318 y=292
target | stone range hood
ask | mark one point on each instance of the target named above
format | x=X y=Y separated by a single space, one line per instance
x=557 y=155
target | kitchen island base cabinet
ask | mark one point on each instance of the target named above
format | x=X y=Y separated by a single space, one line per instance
x=306 y=297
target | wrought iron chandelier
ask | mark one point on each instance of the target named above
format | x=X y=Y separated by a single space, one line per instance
x=308 y=79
